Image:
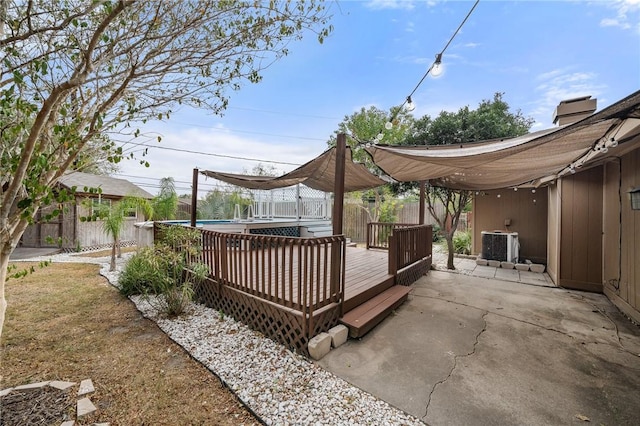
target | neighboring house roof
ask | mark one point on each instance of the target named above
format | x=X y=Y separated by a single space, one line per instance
x=110 y=186
x=530 y=160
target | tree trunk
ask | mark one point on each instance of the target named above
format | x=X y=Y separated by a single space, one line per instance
x=5 y=252
x=449 y=237
x=112 y=266
x=8 y=242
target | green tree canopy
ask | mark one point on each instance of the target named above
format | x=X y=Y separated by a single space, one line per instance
x=492 y=119
x=365 y=126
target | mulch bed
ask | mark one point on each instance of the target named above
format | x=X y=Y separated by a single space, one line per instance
x=43 y=406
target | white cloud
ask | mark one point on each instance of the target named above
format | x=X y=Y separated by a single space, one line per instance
x=471 y=45
x=561 y=84
x=390 y=4
x=609 y=22
x=180 y=165
x=626 y=14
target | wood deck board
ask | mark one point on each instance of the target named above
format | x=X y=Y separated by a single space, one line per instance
x=364 y=270
x=372 y=308
x=369 y=314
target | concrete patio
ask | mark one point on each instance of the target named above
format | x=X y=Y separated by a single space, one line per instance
x=466 y=265
x=468 y=350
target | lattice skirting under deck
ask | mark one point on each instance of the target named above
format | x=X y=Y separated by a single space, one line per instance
x=130 y=243
x=412 y=273
x=284 y=325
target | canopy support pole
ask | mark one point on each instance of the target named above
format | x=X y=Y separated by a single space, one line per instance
x=422 y=200
x=338 y=192
x=194 y=198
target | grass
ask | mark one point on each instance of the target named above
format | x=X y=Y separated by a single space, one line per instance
x=65 y=322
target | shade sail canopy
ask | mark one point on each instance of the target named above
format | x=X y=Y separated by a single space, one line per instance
x=525 y=160
x=319 y=173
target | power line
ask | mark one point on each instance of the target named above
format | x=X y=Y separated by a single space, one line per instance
x=247 y=132
x=211 y=154
x=285 y=113
x=157 y=185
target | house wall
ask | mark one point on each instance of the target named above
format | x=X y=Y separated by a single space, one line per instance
x=553 y=235
x=621 y=241
x=45 y=234
x=91 y=234
x=581 y=211
x=69 y=232
x=527 y=211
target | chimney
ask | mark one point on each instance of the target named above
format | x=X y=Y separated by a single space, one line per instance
x=572 y=110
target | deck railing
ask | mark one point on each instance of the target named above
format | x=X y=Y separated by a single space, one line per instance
x=378 y=233
x=408 y=245
x=305 y=274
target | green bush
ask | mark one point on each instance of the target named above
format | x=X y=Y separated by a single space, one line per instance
x=165 y=274
x=462 y=242
x=141 y=273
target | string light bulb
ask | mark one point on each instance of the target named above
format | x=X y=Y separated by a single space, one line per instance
x=437 y=69
x=409 y=106
x=388 y=125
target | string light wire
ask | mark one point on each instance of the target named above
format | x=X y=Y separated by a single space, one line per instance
x=437 y=61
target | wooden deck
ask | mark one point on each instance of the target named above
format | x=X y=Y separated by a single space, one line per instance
x=366 y=274
x=292 y=289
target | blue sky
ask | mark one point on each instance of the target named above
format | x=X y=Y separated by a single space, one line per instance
x=536 y=52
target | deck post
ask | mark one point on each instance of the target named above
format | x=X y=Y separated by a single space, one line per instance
x=194 y=198
x=298 y=209
x=422 y=200
x=338 y=192
x=337 y=255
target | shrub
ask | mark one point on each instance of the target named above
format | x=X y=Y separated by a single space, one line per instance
x=141 y=273
x=174 y=295
x=165 y=274
x=462 y=242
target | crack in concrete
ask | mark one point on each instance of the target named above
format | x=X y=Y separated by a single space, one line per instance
x=455 y=361
x=574 y=338
x=604 y=314
x=503 y=316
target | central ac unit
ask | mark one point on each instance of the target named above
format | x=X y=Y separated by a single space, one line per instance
x=502 y=246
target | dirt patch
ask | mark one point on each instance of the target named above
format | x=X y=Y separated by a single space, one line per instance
x=64 y=324
x=44 y=406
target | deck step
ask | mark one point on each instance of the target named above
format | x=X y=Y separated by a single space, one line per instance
x=362 y=319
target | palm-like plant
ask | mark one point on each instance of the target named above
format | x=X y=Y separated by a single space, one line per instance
x=165 y=204
x=114 y=219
